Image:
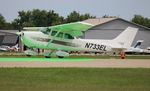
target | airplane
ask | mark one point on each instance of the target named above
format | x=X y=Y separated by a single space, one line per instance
x=62 y=39
x=6 y=48
x=14 y=48
x=147 y=50
x=136 y=49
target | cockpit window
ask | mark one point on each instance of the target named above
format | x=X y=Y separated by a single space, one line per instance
x=46 y=31
x=60 y=35
x=53 y=33
x=67 y=36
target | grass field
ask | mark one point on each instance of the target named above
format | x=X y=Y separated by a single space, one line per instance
x=74 y=79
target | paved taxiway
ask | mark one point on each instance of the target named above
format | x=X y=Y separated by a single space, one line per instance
x=89 y=63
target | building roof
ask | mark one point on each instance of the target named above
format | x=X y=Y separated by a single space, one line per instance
x=100 y=21
x=9 y=31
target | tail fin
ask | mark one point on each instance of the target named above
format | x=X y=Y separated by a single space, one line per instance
x=138 y=44
x=15 y=47
x=126 y=37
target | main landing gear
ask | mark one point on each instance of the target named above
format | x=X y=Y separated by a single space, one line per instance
x=59 y=54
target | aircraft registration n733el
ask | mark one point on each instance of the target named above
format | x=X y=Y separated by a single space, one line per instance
x=64 y=38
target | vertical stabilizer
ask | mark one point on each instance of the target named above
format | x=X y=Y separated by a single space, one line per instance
x=126 y=38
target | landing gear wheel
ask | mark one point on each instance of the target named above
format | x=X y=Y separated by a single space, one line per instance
x=28 y=55
x=60 y=57
x=47 y=57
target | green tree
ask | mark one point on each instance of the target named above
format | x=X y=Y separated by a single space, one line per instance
x=16 y=24
x=39 y=18
x=42 y=18
x=25 y=18
x=75 y=16
x=86 y=16
x=8 y=26
x=138 y=19
x=2 y=22
x=54 y=18
x=108 y=16
x=22 y=20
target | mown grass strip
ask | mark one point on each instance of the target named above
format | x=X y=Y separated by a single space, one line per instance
x=74 y=79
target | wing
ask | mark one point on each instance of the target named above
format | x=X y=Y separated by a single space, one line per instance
x=74 y=29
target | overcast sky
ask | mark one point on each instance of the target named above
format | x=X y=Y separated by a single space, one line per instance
x=122 y=8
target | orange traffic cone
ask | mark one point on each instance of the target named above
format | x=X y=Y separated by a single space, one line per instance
x=122 y=55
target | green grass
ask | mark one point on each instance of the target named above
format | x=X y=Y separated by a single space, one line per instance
x=74 y=79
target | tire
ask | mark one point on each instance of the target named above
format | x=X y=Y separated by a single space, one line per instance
x=47 y=57
x=28 y=55
x=60 y=57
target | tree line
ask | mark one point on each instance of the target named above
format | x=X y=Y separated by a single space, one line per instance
x=138 y=19
x=43 y=18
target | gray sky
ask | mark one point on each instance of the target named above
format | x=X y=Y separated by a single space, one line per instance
x=122 y=8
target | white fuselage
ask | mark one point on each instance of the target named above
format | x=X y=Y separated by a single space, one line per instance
x=132 y=49
x=37 y=39
x=137 y=50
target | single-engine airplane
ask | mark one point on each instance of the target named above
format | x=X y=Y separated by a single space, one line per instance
x=62 y=39
x=5 y=48
x=136 y=49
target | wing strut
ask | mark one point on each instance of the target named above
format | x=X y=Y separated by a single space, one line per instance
x=53 y=37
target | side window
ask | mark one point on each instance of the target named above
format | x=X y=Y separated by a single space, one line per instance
x=46 y=31
x=67 y=36
x=53 y=33
x=60 y=35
